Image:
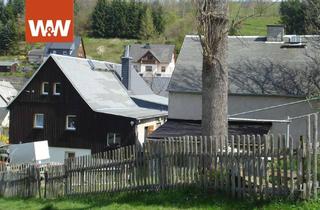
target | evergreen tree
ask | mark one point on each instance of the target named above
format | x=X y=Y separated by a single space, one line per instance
x=147 y=28
x=134 y=14
x=292 y=16
x=8 y=37
x=17 y=7
x=99 y=19
x=157 y=16
x=118 y=24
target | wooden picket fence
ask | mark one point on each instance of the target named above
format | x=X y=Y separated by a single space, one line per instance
x=19 y=180
x=240 y=166
x=259 y=167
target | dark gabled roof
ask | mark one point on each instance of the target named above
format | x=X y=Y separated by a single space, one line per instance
x=279 y=70
x=99 y=86
x=177 y=128
x=162 y=52
x=73 y=46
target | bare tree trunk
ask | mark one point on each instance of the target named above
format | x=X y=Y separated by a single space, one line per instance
x=213 y=32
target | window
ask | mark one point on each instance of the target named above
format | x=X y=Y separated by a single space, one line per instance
x=57 y=88
x=149 y=68
x=71 y=122
x=70 y=155
x=147 y=131
x=54 y=52
x=38 y=121
x=113 y=139
x=163 y=69
x=158 y=75
x=45 y=88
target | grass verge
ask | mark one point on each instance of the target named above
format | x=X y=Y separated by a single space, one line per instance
x=165 y=200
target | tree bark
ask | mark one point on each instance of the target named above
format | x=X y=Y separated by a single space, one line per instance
x=213 y=33
x=215 y=97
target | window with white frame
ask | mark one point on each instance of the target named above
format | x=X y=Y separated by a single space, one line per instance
x=45 y=88
x=71 y=122
x=57 y=88
x=163 y=69
x=149 y=68
x=113 y=139
x=38 y=120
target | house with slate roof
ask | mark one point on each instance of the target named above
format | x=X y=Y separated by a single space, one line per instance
x=263 y=72
x=137 y=87
x=74 y=49
x=80 y=106
x=151 y=60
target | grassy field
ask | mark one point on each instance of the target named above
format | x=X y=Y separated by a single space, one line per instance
x=165 y=200
x=255 y=25
x=106 y=49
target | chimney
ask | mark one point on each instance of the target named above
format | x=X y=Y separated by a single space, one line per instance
x=275 y=33
x=126 y=68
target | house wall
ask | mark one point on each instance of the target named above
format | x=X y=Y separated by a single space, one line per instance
x=58 y=154
x=148 y=123
x=188 y=106
x=92 y=127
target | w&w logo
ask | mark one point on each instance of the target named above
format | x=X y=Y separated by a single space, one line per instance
x=49 y=29
x=49 y=20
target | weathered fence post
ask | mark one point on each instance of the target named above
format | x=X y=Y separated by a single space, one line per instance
x=38 y=181
x=45 y=183
x=315 y=154
x=66 y=161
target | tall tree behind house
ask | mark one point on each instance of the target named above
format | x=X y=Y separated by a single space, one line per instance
x=213 y=29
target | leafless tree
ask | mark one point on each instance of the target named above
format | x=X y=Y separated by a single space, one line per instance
x=260 y=7
x=268 y=78
x=212 y=16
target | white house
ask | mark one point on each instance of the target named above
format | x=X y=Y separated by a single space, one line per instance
x=270 y=73
x=152 y=60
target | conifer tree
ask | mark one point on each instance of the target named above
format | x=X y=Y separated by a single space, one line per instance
x=147 y=28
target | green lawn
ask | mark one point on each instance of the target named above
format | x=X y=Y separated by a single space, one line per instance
x=106 y=49
x=185 y=199
x=257 y=26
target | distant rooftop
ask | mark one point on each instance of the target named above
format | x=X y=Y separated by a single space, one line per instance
x=247 y=54
x=8 y=63
x=161 y=51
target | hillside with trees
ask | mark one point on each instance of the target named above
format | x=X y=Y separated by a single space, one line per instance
x=108 y=25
